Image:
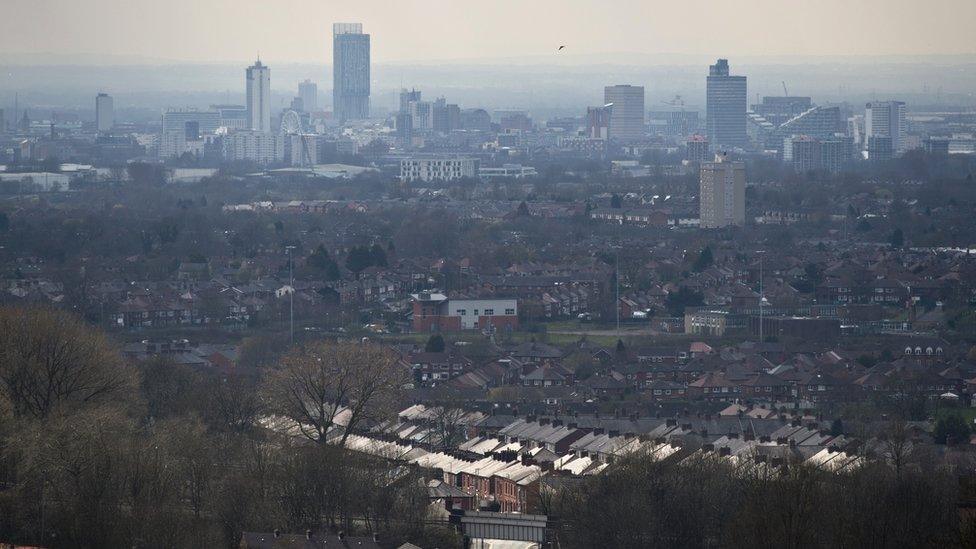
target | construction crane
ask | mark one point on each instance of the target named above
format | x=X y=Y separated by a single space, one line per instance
x=785 y=92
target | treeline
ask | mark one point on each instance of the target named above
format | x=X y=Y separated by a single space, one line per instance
x=95 y=452
x=705 y=502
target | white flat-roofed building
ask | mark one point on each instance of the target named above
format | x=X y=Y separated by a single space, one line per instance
x=514 y=171
x=437 y=169
x=472 y=311
x=257 y=146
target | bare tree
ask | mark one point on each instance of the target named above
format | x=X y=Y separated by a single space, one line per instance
x=325 y=386
x=49 y=358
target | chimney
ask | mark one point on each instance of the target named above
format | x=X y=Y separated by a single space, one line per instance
x=573 y=425
x=376 y=538
x=530 y=418
x=708 y=447
x=686 y=427
x=796 y=423
x=277 y=533
x=341 y=535
x=613 y=433
x=792 y=443
x=813 y=426
x=764 y=438
x=629 y=435
x=724 y=451
x=748 y=436
x=671 y=422
x=308 y=534
x=543 y=421
x=781 y=440
x=598 y=431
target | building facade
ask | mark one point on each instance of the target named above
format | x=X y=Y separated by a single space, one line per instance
x=433 y=312
x=722 y=193
x=350 y=72
x=258 y=80
x=725 y=109
x=437 y=169
x=104 y=113
x=308 y=92
x=886 y=119
x=256 y=146
x=626 y=112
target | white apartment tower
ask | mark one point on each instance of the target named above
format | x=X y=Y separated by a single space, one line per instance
x=722 y=200
x=886 y=119
x=258 y=78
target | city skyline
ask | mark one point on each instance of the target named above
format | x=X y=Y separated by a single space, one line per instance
x=910 y=28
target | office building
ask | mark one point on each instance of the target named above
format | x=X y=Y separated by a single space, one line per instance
x=233 y=117
x=880 y=148
x=104 y=113
x=886 y=119
x=183 y=131
x=802 y=152
x=404 y=127
x=626 y=112
x=835 y=153
x=816 y=121
x=598 y=122
x=779 y=109
x=725 y=109
x=698 y=149
x=308 y=92
x=722 y=199
x=422 y=114
x=258 y=77
x=445 y=117
x=674 y=123
x=350 y=72
x=407 y=97
x=437 y=168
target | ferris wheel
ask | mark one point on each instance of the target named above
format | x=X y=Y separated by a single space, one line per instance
x=291 y=123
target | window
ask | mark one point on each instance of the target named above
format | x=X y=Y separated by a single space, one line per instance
x=462 y=312
x=489 y=312
x=476 y=312
x=509 y=312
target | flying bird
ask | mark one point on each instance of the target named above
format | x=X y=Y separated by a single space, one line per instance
x=561 y=48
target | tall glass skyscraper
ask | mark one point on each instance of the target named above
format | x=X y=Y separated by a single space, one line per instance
x=725 y=116
x=350 y=71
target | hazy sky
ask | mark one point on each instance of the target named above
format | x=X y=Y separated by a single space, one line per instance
x=418 y=30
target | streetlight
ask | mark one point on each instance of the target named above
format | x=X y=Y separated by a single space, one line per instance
x=762 y=296
x=291 y=295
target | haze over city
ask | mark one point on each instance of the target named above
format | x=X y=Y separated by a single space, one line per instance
x=437 y=30
x=507 y=275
